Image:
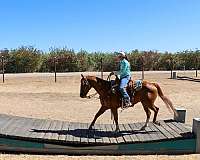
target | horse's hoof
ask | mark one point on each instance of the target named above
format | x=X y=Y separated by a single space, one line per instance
x=157 y=123
x=90 y=128
x=117 y=130
x=143 y=128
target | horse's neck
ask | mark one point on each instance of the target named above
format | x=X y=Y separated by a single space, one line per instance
x=100 y=85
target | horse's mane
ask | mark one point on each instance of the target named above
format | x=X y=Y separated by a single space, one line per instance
x=104 y=83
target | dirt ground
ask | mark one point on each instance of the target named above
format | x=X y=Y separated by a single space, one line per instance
x=37 y=95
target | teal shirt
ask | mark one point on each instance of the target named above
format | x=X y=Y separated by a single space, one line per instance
x=124 y=68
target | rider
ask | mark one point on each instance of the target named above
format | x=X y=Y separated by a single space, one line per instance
x=125 y=76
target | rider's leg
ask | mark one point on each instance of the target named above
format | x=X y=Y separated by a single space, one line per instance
x=122 y=87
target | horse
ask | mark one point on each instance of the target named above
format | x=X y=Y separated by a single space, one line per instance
x=109 y=100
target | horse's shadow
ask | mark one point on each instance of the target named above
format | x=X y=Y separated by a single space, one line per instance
x=94 y=133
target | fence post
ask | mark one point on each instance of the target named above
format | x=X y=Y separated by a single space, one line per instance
x=196 y=66
x=174 y=76
x=2 y=60
x=181 y=115
x=101 y=68
x=196 y=131
x=171 y=66
x=142 y=67
x=55 y=69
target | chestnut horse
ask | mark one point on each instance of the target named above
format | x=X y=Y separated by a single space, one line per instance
x=109 y=100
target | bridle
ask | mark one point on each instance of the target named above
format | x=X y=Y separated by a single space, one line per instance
x=89 y=86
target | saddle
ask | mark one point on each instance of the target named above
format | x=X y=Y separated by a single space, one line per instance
x=131 y=88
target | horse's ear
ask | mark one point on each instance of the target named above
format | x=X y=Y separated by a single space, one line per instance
x=82 y=76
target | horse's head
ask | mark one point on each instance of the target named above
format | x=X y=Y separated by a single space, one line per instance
x=85 y=87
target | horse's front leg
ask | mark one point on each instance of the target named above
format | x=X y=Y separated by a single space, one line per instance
x=100 y=112
x=115 y=114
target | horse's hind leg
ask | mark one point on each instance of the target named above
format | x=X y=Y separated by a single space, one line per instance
x=148 y=114
x=155 y=109
x=100 y=112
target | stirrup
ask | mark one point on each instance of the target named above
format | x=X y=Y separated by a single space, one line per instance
x=126 y=105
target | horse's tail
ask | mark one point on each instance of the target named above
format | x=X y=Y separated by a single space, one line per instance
x=166 y=100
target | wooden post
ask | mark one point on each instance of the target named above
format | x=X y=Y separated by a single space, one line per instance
x=171 y=64
x=101 y=68
x=196 y=131
x=142 y=68
x=55 y=69
x=174 y=75
x=196 y=66
x=196 y=72
x=181 y=115
x=3 y=68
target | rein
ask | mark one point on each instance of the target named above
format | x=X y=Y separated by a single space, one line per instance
x=94 y=94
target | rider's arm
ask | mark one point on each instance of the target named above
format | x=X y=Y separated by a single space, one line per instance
x=123 y=67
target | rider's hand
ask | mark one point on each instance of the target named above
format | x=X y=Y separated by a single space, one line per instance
x=112 y=73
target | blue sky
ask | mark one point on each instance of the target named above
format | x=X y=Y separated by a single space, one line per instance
x=101 y=25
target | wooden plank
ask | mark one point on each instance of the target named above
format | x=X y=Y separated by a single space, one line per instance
x=71 y=136
x=98 y=137
x=95 y=132
x=3 y=120
x=188 y=126
x=118 y=135
x=151 y=132
x=76 y=132
x=39 y=123
x=156 y=131
x=25 y=131
x=83 y=132
x=184 y=131
x=91 y=134
x=12 y=126
x=167 y=134
x=140 y=132
x=29 y=133
x=21 y=127
x=50 y=130
x=181 y=126
x=126 y=135
x=137 y=132
x=63 y=136
x=44 y=130
x=145 y=135
x=170 y=130
x=57 y=131
x=7 y=123
x=174 y=127
x=132 y=133
x=103 y=134
x=111 y=134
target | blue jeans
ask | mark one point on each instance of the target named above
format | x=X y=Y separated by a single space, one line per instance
x=123 y=84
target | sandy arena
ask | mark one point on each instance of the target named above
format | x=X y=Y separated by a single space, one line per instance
x=37 y=95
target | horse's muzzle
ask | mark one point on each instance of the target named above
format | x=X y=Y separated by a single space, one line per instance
x=82 y=96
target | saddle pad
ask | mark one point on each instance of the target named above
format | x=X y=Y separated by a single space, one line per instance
x=138 y=84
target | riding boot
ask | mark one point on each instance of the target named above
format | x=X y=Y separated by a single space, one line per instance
x=126 y=103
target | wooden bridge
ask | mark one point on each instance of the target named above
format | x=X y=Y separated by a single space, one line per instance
x=29 y=135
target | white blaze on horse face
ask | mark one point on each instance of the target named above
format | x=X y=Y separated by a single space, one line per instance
x=85 y=87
